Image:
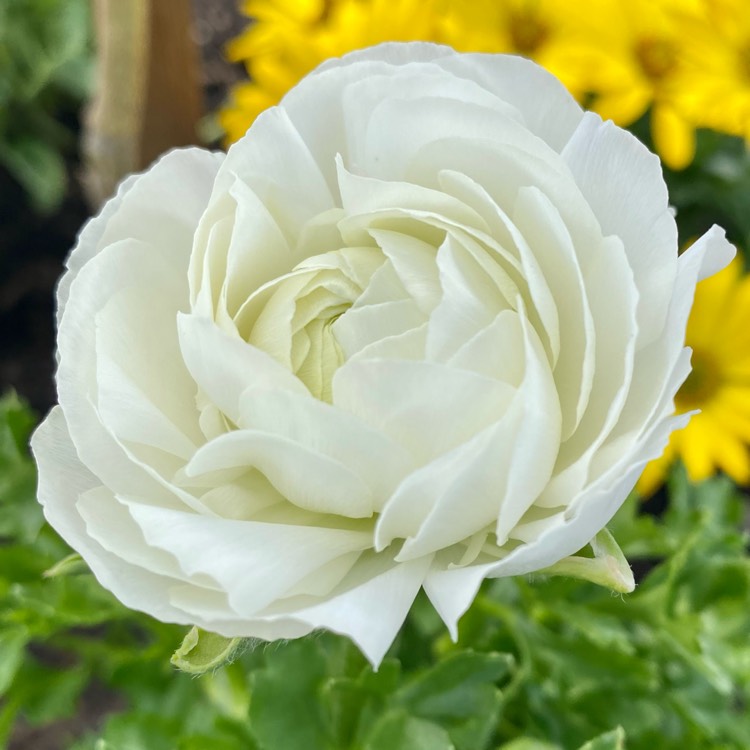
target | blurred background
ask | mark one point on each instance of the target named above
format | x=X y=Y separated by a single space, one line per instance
x=61 y=154
x=91 y=90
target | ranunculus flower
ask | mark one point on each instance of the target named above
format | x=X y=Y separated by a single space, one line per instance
x=421 y=326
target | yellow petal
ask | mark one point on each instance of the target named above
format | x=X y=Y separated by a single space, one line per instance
x=695 y=449
x=623 y=107
x=674 y=136
x=655 y=473
x=732 y=456
x=708 y=313
x=730 y=419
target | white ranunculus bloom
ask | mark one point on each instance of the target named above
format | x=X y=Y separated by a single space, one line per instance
x=423 y=325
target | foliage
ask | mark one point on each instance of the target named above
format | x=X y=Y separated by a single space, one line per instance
x=44 y=70
x=541 y=664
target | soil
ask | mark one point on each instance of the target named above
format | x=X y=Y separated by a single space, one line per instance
x=32 y=250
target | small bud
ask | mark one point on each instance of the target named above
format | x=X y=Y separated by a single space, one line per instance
x=608 y=567
x=202 y=651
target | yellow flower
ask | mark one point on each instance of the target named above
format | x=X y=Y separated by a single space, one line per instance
x=718 y=64
x=524 y=27
x=628 y=54
x=719 y=385
x=546 y=31
x=289 y=38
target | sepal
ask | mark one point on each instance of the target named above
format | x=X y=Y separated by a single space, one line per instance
x=608 y=567
x=203 y=652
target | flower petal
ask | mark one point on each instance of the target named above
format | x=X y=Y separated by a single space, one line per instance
x=224 y=366
x=622 y=181
x=271 y=557
x=62 y=481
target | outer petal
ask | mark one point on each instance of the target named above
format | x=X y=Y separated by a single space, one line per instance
x=718 y=253
x=452 y=589
x=162 y=208
x=272 y=556
x=622 y=181
x=176 y=185
x=119 y=267
x=548 y=109
x=371 y=605
x=62 y=480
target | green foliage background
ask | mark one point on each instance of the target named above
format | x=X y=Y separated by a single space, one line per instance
x=541 y=663
x=45 y=69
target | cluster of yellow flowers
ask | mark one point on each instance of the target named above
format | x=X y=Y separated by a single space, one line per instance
x=686 y=60
x=719 y=385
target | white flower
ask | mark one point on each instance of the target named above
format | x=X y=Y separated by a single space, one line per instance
x=422 y=326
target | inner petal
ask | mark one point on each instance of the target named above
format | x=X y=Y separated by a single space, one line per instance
x=295 y=325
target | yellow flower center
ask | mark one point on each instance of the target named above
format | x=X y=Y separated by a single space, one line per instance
x=527 y=31
x=701 y=384
x=656 y=57
x=325 y=11
x=296 y=324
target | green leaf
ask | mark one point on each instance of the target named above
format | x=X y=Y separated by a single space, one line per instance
x=285 y=706
x=396 y=730
x=460 y=694
x=8 y=712
x=12 y=644
x=39 y=167
x=17 y=422
x=354 y=703
x=20 y=514
x=202 y=651
x=228 y=691
x=712 y=189
x=211 y=742
x=42 y=36
x=71 y=564
x=527 y=743
x=47 y=692
x=147 y=732
x=614 y=740
x=45 y=56
x=449 y=688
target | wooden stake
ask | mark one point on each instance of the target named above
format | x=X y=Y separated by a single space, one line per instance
x=147 y=96
x=173 y=102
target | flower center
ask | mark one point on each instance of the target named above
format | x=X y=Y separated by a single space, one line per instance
x=656 y=57
x=295 y=325
x=527 y=31
x=326 y=6
x=701 y=385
